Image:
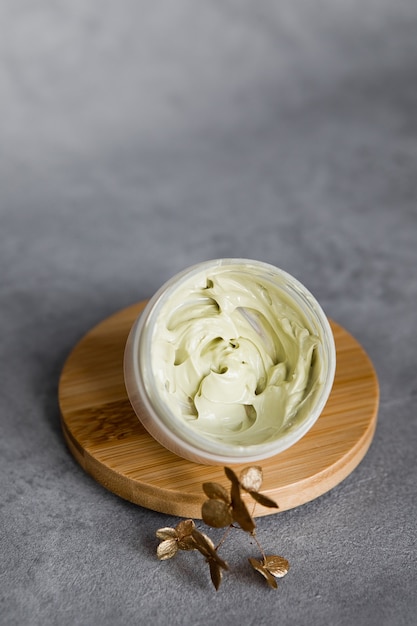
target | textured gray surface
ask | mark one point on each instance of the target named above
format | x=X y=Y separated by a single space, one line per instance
x=136 y=139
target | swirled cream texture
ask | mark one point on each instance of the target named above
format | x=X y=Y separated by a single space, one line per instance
x=234 y=356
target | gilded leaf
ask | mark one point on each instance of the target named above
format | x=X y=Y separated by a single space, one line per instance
x=216 y=513
x=216 y=491
x=258 y=566
x=237 y=502
x=166 y=533
x=251 y=478
x=242 y=516
x=185 y=528
x=231 y=475
x=235 y=495
x=216 y=574
x=203 y=541
x=264 y=500
x=167 y=549
x=240 y=512
x=276 y=565
x=205 y=545
x=186 y=543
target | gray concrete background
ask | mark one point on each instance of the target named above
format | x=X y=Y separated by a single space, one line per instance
x=138 y=138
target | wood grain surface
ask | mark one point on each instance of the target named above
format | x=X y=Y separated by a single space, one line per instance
x=106 y=438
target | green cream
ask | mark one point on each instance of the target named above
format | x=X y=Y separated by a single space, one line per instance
x=234 y=356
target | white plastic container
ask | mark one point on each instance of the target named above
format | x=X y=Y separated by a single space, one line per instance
x=231 y=361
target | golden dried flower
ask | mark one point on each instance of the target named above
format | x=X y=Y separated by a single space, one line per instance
x=271 y=567
x=174 y=539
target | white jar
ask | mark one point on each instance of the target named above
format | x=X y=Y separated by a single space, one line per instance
x=231 y=361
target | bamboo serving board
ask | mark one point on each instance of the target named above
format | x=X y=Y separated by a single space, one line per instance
x=107 y=439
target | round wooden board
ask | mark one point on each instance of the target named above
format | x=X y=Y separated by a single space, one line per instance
x=107 y=439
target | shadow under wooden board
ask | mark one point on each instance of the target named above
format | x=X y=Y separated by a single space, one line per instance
x=107 y=439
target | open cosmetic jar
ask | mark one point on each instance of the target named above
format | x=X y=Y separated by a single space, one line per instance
x=231 y=361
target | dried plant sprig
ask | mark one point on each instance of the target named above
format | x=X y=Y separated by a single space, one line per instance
x=224 y=509
x=271 y=567
x=174 y=539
